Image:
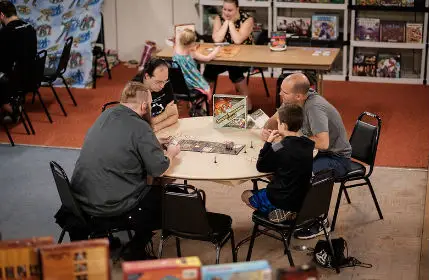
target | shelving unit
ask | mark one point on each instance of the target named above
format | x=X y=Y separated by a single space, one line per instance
x=418 y=79
x=341 y=76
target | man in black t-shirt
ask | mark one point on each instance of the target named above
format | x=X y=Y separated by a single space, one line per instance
x=164 y=110
x=291 y=161
x=18 y=46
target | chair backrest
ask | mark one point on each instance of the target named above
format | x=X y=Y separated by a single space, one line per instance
x=64 y=190
x=184 y=213
x=177 y=80
x=261 y=38
x=65 y=56
x=364 y=139
x=318 y=198
x=40 y=67
x=108 y=104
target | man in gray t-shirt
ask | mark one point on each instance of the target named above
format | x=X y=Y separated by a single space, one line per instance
x=110 y=177
x=323 y=125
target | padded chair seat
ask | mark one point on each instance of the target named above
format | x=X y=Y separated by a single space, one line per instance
x=49 y=74
x=220 y=223
x=357 y=170
x=261 y=219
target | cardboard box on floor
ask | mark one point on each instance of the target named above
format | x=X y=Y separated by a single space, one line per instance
x=180 y=268
x=19 y=258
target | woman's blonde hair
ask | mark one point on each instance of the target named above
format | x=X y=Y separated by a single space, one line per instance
x=187 y=37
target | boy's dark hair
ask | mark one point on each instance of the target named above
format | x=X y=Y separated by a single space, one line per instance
x=292 y=115
x=149 y=68
x=7 y=8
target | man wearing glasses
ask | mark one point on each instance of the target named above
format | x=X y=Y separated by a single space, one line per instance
x=155 y=77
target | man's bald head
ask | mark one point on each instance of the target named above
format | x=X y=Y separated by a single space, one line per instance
x=299 y=83
x=294 y=89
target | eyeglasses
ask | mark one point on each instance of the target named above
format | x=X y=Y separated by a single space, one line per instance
x=161 y=83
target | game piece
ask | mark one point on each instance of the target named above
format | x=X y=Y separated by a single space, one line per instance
x=229 y=145
x=215 y=160
x=251 y=144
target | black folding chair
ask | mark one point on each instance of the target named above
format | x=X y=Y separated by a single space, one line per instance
x=51 y=74
x=99 y=51
x=314 y=209
x=364 y=142
x=69 y=202
x=39 y=75
x=182 y=92
x=109 y=104
x=184 y=215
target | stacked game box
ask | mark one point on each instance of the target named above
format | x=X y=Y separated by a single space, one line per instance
x=303 y=272
x=389 y=65
x=229 y=111
x=19 y=258
x=365 y=65
x=367 y=29
x=324 y=27
x=256 y=270
x=278 y=40
x=414 y=32
x=83 y=260
x=392 y=31
x=293 y=25
x=181 y=268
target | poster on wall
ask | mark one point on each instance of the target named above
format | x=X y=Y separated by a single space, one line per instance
x=55 y=21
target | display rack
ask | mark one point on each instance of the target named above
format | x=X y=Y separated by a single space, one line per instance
x=393 y=10
x=341 y=43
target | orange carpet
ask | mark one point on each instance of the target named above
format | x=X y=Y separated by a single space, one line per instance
x=404 y=110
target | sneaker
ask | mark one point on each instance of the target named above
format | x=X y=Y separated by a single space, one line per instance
x=280 y=216
x=312 y=231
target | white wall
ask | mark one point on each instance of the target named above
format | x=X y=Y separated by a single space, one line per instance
x=129 y=23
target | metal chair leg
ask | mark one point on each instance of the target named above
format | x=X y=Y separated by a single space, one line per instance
x=248 y=76
x=58 y=99
x=214 y=86
x=24 y=123
x=94 y=72
x=218 y=247
x=107 y=65
x=43 y=105
x=27 y=119
x=34 y=97
x=234 y=256
x=374 y=198
x=8 y=135
x=63 y=232
x=68 y=90
x=328 y=238
x=337 y=205
x=179 y=252
x=252 y=242
x=287 y=251
x=347 y=196
x=265 y=82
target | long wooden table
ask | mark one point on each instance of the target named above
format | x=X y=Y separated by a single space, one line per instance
x=299 y=58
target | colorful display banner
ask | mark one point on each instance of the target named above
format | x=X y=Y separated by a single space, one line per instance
x=55 y=21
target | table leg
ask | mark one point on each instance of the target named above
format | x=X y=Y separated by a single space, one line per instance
x=320 y=82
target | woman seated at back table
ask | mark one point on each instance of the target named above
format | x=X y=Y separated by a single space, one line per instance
x=235 y=27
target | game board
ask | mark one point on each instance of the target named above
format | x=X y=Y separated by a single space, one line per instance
x=209 y=147
x=226 y=51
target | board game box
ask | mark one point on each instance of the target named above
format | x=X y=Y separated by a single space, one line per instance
x=229 y=111
x=19 y=258
x=414 y=32
x=364 y=65
x=324 y=27
x=294 y=25
x=82 y=260
x=180 y=268
x=256 y=270
x=303 y=272
x=389 y=65
x=367 y=29
x=392 y=31
x=278 y=40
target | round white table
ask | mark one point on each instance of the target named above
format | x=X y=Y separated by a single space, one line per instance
x=222 y=168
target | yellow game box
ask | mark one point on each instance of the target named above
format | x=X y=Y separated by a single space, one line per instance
x=19 y=258
x=181 y=268
x=82 y=260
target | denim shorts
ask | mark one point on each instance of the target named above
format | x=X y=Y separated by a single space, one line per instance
x=259 y=200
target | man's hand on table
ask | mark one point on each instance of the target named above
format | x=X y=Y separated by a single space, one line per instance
x=173 y=149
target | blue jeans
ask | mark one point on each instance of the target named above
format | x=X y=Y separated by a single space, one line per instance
x=340 y=165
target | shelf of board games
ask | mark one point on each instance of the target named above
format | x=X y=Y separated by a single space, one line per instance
x=285 y=13
x=400 y=61
x=242 y=3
